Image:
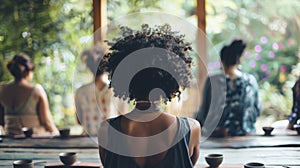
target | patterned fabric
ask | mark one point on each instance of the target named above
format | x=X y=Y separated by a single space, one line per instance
x=94 y=106
x=295 y=114
x=242 y=105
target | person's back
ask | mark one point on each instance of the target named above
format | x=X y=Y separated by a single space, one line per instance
x=175 y=156
x=242 y=105
x=148 y=137
x=24 y=104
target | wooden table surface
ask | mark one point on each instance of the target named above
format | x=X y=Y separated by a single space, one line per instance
x=47 y=150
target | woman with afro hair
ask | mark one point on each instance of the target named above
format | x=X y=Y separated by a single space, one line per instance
x=147 y=136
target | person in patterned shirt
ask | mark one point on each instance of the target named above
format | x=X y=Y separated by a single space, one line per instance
x=242 y=105
x=95 y=101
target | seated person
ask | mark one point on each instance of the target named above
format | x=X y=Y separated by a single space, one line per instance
x=242 y=105
x=144 y=136
x=295 y=114
x=25 y=104
x=94 y=101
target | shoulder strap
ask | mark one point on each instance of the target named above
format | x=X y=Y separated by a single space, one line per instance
x=184 y=128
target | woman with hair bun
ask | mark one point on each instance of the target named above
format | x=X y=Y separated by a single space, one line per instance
x=242 y=105
x=25 y=104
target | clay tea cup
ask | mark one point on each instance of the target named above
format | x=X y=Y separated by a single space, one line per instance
x=23 y=164
x=268 y=130
x=254 y=165
x=214 y=160
x=27 y=131
x=68 y=158
x=64 y=133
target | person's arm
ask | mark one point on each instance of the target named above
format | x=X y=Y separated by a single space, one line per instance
x=295 y=108
x=194 y=145
x=1 y=115
x=1 y=108
x=206 y=100
x=44 y=112
x=79 y=100
x=257 y=102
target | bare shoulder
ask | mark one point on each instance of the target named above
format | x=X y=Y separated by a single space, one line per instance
x=39 y=90
x=39 y=87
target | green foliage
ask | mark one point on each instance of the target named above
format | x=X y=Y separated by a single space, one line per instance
x=270 y=61
x=274 y=103
x=27 y=26
x=53 y=33
x=273 y=39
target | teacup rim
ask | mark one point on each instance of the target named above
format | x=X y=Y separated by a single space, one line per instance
x=27 y=128
x=27 y=161
x=259 y=164
x=63 y=154
x=214 y=155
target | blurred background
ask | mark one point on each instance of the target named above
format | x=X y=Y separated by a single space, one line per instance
x=55 y=32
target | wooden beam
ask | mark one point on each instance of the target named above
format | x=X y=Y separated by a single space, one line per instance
x=201 y=45
x=201 y=13
x=99 y=19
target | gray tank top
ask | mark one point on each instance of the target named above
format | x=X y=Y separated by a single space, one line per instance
x=177 y=156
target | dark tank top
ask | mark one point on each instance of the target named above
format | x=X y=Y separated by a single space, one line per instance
x=177 y=156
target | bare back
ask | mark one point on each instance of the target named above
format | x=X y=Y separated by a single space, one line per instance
x=164 y=122
x=15 y=95
x=27 y=104
x=147 y=129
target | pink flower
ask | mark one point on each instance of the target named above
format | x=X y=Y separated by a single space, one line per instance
x=264 y=39
x=252 y=64
x=258 y=48
x=283 y=68
x=247 y=54
x=281 y=46
x=271 y=54
x=291 y=42
x=275 y=46
x=264 y=67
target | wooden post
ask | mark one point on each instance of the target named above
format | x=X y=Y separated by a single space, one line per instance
x=201 y=15
x=201 y=45
x=100 y=19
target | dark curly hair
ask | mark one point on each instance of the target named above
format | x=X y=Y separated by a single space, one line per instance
x=231 y=54
x=152 y=77
x=20 y=65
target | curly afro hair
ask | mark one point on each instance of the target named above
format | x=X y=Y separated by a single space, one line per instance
x=231 y=54
x=149 y=78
